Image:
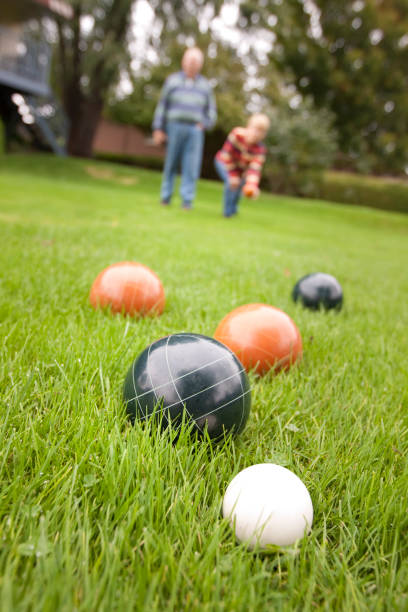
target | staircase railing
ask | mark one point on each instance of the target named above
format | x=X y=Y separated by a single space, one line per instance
x=50 y=122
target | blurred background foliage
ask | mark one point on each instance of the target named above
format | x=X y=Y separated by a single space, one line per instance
x=332 y=76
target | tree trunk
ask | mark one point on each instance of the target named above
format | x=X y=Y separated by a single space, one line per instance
x=84 y=123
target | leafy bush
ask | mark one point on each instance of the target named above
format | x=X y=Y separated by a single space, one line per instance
x=375 y=192
x=301 y=143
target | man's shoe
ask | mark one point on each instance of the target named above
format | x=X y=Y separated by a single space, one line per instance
x=187 y=206
x=164 y=203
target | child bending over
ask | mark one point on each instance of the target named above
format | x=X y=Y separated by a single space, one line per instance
x=239 y=162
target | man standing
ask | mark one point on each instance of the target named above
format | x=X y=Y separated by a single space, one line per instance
x=185 y=110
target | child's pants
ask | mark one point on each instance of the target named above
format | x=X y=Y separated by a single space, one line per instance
x=231 y=196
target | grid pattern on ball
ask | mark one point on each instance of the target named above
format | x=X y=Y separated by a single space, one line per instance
x=177 y=378
x=145 y=415
x=137 y=397
x=181 y=400
x=154 y=390
x=243 y=399
x=173 y=380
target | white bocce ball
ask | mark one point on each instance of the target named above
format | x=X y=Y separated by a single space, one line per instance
x=268 y=504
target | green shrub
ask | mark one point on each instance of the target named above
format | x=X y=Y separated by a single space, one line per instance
x=375 y=192
x=302 y=147
x=301 y=144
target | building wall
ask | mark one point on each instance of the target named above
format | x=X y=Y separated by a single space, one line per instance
x=124 y=140
x=24 y=61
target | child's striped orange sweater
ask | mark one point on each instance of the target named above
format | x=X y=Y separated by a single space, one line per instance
x=241 y=158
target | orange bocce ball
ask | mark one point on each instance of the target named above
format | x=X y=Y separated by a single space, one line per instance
x=261 y=336
x=249 y=191
x=130 y=288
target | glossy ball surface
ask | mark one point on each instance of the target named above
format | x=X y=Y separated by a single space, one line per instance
x=266 y=504
x=318 y=290
x=261 y=336
x=129 y=288
x=189 y=375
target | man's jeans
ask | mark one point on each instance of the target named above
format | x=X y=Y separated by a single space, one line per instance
x=184 y=144
x=231 y=196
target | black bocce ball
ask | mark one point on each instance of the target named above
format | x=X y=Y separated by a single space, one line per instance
x=317 y=291
x=191 y=376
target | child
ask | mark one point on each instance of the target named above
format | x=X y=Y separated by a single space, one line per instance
x=239 y=162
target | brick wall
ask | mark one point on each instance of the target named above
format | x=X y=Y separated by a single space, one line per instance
x=124 y=140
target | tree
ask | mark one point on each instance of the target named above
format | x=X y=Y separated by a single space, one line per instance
x=351 y=57
x=88 y=64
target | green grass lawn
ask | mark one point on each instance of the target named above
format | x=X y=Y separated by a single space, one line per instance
x=97 y=515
